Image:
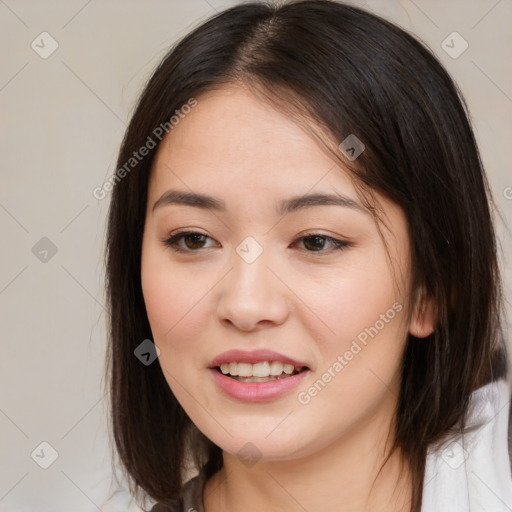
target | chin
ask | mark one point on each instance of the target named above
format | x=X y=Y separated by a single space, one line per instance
x=256 y=446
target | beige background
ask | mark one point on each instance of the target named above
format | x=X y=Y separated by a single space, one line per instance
x=63 y=119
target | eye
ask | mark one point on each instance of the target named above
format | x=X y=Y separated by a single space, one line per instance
x=315 y=242
x=193 y=241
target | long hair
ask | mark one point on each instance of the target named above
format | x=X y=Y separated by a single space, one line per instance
x=344 y=71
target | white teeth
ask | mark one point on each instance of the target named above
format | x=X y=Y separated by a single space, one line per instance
x=261 y=369
x=245 y=369
x=288 y=368
x=233 y=369
x=276 y=368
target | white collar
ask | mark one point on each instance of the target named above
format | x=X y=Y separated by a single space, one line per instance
x=473 y=473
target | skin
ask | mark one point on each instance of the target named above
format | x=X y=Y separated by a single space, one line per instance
x=306 y=304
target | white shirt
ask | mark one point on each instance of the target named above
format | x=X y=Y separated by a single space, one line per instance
x=473 y=474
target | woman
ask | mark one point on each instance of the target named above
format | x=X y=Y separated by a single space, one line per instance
x=305 y=242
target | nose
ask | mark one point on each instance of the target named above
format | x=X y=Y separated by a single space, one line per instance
x=253 y=295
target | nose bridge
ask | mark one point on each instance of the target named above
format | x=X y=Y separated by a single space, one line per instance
x=251 y=293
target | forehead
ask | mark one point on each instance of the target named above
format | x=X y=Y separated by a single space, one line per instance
x=231 y=138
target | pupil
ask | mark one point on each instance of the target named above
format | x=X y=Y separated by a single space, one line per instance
x=317 y=238
x=196 y=236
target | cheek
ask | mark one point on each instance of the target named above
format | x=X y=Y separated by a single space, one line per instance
x=175 y=302
x=176 y=316
x=362 y=347
x=352 y=300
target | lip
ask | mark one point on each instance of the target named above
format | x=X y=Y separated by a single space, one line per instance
x=255 y=356
x=256 y=391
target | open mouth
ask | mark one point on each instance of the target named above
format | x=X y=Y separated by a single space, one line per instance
x=264 y=371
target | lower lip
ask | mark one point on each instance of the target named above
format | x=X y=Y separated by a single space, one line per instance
x=257 y=391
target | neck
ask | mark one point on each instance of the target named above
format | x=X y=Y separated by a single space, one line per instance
x=343 y=476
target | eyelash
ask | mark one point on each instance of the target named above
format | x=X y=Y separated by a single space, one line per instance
x=338 y=245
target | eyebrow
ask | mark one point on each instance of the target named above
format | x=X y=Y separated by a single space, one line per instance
x=286 y=206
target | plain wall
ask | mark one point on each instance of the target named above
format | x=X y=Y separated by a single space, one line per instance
x=62 y=120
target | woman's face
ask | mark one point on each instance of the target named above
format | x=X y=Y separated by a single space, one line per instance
x=262 y=273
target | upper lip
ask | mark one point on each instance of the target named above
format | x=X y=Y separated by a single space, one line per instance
x=254 y=356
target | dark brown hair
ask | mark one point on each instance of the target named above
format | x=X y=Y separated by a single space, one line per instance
x=344 y=71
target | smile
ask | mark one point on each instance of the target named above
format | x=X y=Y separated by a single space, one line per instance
x=259 y=372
